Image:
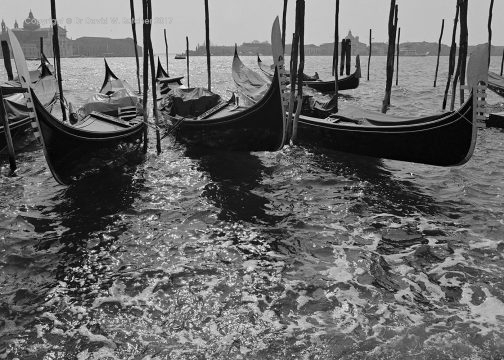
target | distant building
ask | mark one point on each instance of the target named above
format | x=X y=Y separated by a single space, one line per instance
x=105 y=47
x=29 y=37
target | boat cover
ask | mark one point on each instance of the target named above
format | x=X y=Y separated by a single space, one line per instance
x=15 y=106
x=249 y=82
x=495 y=80
x=110 y=103
x=190 y=102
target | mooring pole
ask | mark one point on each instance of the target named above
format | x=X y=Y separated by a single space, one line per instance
x=301 y=16
x=335 y=65
x=462 y=56
x=135 y=43
x=284 y=24
x=463 y=49
x=451 y=61
x=397 y=64
x=153 y=75
x=392 y=29
x=41 y=46
x=57 y=58
x=4 y=120
x=438 y=52
x=187 y=59
x=145 y=72
x=502 y=62
x=370 y=48
x=166 y=52
x=348 y=57
x=342 y=56
x=293 y=75
x=490 y=12
x=207 y=32
x=7 y=60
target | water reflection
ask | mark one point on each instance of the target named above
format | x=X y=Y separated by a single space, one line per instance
x=235 y=179
x=90 y=213
x=383 y=191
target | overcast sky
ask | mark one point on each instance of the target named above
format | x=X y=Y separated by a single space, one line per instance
x=236 y=21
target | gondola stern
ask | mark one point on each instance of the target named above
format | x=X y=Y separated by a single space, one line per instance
x=477 y=80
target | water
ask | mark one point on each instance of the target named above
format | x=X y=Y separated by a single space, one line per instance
x=299 y=254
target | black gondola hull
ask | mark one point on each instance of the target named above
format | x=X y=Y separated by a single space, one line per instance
x=261 y=127
x=444 y=141
x=348 y=83
x=72 y=152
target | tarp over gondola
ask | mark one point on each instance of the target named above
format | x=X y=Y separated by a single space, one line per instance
x=496 y=83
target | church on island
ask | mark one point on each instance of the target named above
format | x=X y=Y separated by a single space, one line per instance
x=32 y=35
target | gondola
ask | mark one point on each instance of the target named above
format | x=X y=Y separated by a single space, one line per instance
x=97 y=140
x=116 y=98
x=166 y=83
x=44 y=84
x=198 y=117
x=347 y=83
x=496 y=83
x=446 y=139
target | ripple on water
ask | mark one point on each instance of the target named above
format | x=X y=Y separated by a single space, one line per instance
x=303 y=253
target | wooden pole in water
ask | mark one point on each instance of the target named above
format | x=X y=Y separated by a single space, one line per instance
x=392 y=29
x=207 y=32
x=490 y=12
x=187 y=59
x=284 y=23
x=7 y=60
x=370 y=48
x=397 y=60
x=135 y=43
x=463 y=48
x=153 y=75
x=57 y=57
x=348 y=57
x=342 y=56
x=502 y=62
x=453 y=50
x=301 y=16
x=462 y=56
x=4 y=120
x=293 y=74
x=145 y=73
x=336 y=41
x=166 y=51
x=41 y=47
x=438 y=52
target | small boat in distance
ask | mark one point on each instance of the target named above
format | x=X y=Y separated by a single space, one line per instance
x=180 y=56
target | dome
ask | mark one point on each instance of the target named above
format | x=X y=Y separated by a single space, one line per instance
x=31 y=23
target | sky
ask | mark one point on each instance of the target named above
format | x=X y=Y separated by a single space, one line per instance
x=238 y=21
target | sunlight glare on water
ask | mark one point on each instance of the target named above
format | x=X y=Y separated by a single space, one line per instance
x=300 y=254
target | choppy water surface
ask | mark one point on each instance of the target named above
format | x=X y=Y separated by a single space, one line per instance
x=300 y=254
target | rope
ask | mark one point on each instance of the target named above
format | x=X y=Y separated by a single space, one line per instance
x=173 y=128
